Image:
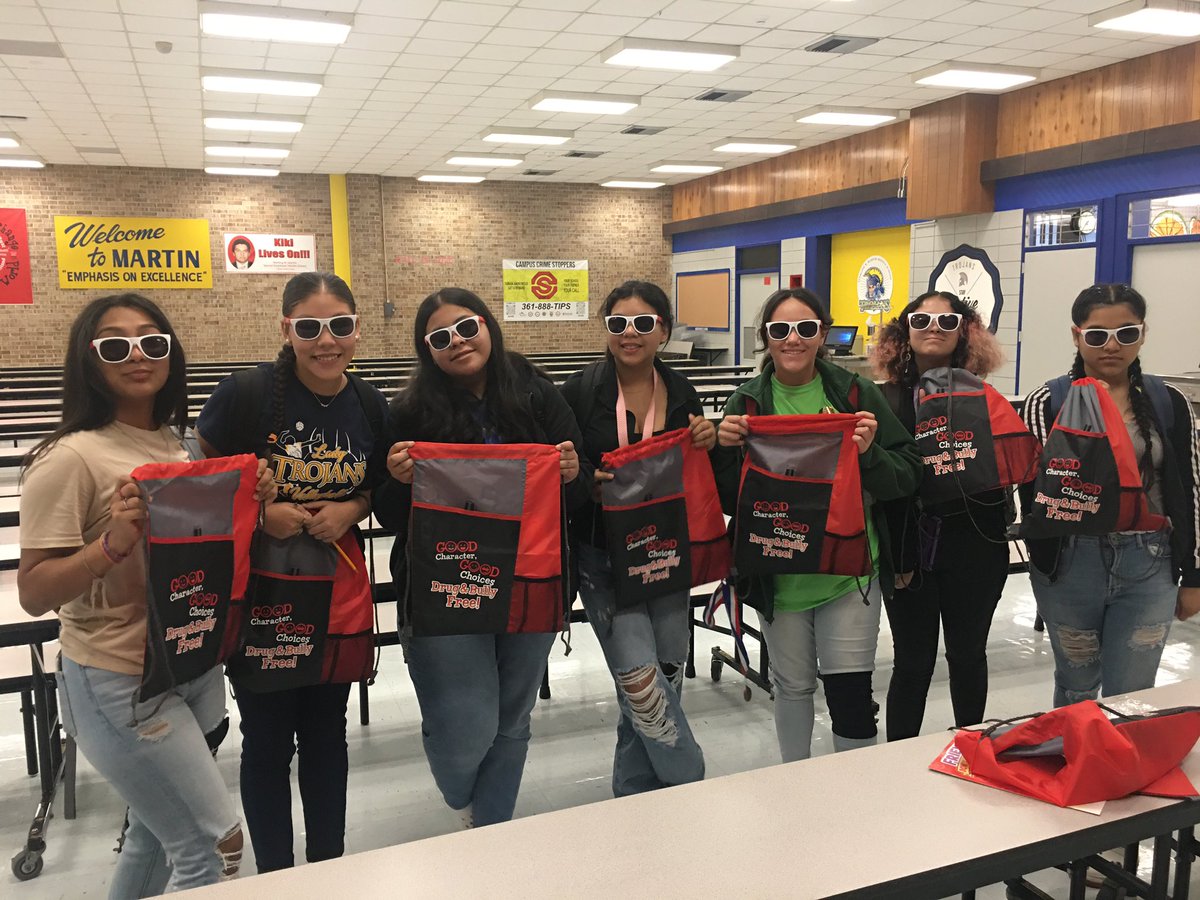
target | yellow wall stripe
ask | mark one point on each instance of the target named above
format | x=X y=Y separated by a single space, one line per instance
x=340 y=213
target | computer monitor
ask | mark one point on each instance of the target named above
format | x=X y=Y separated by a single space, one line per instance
x=840 y=339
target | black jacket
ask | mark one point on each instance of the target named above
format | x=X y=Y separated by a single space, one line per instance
x=989 y=510
x=392 y=500
x=1180 y=488
x=600 y=429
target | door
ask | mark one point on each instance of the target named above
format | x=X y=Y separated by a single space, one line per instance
x=753 y=290
x=1167 y=276
x=1053 y=278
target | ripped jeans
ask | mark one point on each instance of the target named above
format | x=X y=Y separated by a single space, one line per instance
x=646 y=648
x=182 y=822
x=1108 y=613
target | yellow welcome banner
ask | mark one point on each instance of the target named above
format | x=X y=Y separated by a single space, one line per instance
x=132 y=253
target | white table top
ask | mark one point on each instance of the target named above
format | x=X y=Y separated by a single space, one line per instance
x=827 y=826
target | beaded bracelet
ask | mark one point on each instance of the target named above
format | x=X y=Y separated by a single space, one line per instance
x=106 y=548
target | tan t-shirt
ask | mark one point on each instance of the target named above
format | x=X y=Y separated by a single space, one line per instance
x=64 y=504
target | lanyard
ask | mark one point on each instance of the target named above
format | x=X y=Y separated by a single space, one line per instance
x=623 y=424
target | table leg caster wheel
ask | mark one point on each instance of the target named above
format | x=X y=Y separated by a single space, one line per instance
x=27 y=865
x=747 y=694
x=715 y=671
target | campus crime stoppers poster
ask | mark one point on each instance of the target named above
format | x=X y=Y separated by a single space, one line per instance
x=127 y=253
x=545 y=289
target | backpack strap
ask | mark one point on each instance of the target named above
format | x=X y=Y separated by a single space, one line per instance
x=251 y=389
x=589 y=384
x=1160 y=400
x=369 y=404
x=1058 y=388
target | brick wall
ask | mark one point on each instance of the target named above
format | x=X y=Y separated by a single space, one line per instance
x=456 y=236
x=431 y=236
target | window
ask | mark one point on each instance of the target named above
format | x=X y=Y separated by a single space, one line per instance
x=1164 y=217
x=1054 y=227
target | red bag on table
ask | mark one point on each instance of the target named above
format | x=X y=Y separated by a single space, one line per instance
x=800 y=504
x=200 y=519
x=486 y=539
x=662 y=518
x=1076 y=755
x=970 y=438
x=1088 y=481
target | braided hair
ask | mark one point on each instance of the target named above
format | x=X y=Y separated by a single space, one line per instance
x=1139 y=401
x=295 y=292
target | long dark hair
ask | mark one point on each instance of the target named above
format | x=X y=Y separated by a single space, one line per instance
x=88 y=403
x=805 y=296
x=1143 y=409
x=298 y=289
x=977 y=350
x=441 y=405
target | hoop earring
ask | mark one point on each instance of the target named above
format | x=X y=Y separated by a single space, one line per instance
x=906 y=358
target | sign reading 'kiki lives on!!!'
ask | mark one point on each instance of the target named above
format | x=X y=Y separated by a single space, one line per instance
x=132 y=253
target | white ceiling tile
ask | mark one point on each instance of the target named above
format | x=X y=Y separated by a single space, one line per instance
x=447 y=31
x=614 y=26
x=467 y=13
x=381 y=25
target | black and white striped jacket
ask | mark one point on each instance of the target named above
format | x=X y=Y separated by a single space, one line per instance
x=1181 y=485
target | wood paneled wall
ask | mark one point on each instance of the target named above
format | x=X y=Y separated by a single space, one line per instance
x=948 y=140
x=866 y=158
x=1133 y=95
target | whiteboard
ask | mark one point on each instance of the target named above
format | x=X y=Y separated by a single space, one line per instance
x=1053 y=279
x=1167 y=275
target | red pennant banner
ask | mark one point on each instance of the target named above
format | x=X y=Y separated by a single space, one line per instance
x=15 y=283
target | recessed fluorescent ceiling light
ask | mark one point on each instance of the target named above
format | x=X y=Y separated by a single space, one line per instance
x=255 y=152
x=482 y=161
x=452 y=179
x=257 y=23
x=829 y=115
x=527 y=136
x=687 y=168
x=8 y=142
x=251 y=82
x=240 y=170
x=1167 y=17
x=678 y=56
x=633 y=184
x=593 y=104
x=13 y=163
x=253 y=123
x=975 y=78
x=753 y=147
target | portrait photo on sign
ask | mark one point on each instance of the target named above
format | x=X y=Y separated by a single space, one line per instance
x=240 y=252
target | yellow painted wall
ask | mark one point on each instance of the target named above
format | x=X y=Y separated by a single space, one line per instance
x=847 y=255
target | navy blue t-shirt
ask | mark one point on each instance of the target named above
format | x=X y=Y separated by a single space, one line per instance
x=322 y=453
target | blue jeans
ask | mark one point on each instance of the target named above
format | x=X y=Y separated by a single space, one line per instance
x=1108 y=613
x=181 y=813
x=476 y=693
x=646 y=648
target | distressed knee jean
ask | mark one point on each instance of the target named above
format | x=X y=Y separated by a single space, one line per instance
x=1107 y=613
x=476 y=693
x=183 y=829
x=646 y=648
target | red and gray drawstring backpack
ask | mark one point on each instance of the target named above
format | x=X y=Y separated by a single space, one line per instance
x=311 y=617
x=970 y=437
x=662 y=518
x=1088 y=481
x=800 y=504
x=201 y=518
x=486 y=539
x=1077 y=754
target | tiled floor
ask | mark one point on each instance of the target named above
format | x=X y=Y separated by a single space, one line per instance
x=392 y=797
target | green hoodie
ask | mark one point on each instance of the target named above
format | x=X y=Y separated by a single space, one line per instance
x=891 y=467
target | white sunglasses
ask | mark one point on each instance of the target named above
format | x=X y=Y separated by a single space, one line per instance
x=118 y=349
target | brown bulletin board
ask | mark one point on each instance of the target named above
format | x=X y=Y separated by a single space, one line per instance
x=702 y=299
